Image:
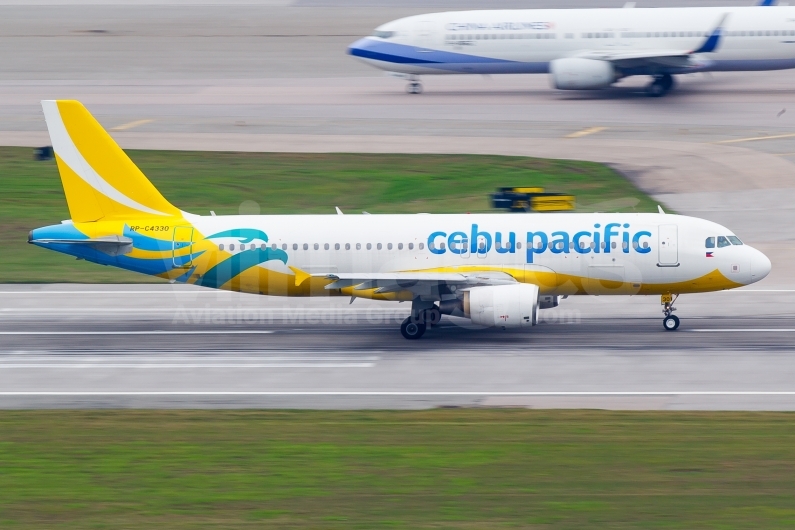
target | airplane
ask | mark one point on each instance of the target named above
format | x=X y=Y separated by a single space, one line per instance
x=498 y=270
x=585 y=49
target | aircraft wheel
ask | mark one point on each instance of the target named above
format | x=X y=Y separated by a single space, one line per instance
x=671 y=323
x=412 y=330
x=661 y=85
x=414 y=88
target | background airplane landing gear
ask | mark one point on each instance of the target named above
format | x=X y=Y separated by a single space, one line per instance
x=412 y=330
x=414 y=87
x=661 y=85
x=670 y=321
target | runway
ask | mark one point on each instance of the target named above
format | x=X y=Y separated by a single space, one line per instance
x=272 y=75
x=176 y=346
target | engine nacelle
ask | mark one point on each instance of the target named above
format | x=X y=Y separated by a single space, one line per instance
x=508 y=306
x=575 y=73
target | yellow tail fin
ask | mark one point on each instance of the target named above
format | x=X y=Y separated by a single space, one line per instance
x=99 y=179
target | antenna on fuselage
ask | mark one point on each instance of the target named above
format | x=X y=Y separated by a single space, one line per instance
x=659 y=209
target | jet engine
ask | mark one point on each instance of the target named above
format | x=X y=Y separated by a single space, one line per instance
x=507 y=306
x=575 y=73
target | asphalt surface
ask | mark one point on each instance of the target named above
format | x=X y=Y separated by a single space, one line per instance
x=269 y=75
x=176 y=346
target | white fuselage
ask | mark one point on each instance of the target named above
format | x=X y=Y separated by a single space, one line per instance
x=568 y=253
x=527 y=41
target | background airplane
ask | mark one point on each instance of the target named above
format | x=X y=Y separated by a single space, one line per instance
x=585 y=49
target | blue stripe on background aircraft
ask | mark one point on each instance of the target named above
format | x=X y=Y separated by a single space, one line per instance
x=495 y=269
x=585 y=49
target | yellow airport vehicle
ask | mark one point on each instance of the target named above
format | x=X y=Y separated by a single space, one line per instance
x=532 y=199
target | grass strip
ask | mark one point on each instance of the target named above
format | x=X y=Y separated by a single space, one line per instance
x=288 y=183
x=464 y=468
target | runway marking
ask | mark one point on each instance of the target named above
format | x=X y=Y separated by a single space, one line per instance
x=743 y=330
x=405 y=393
x=192 y=365
x=153 y=332
x=585 y=132
x=755 y=138
x=131 y=125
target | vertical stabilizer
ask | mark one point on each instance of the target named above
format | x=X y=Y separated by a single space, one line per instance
x=99 y=179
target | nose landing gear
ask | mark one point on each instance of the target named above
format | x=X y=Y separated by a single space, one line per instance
x=670 y=321
x=414 y=86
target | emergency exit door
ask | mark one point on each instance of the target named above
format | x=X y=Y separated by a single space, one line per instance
x=668 y=246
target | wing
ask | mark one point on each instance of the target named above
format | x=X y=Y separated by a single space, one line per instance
x=672 y=58
x=419 y=283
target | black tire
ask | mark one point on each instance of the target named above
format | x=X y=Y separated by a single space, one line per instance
x=412 y=330
x=671 y=323
x=655 y=90
x=414 y=88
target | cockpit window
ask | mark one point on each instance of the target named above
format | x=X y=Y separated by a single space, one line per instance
x=710 y=242
x=723 y=242
x=383 y=34
x=735 y=240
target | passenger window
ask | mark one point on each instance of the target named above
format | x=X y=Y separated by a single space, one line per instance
x=284 y=246
x=325 y=247
x=734 y=240
x=306 y=246
x=347 y=246
x=625 y=245
x=369 y=246
x=421 y=245
x=645 y=244
x=317 y=247
x=221 y=246
x=232 y=246
x=441 y=246
x=613 y=245
x=358 y=246
x=400 y=246
x=273 y=246
x=295 y=246
x=336 y=246
x=411 y=246
x=378 y=246
x=518 y=244
x=723 y=242
x=593 y=245
x=389 y=246
x=710 y=242
x=604 y=245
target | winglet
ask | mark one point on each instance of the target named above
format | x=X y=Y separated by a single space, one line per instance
x=339 y=212
x=659 y=209
x=767 y=3
x=300 y=276
x=713 y=41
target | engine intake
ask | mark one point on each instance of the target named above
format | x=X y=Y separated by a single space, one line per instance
x=576 y=73
x=507 y=306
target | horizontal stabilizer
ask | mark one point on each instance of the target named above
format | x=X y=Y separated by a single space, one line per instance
x=110 y=245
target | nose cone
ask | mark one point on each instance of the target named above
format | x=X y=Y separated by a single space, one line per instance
x=760 y=266
x=358 y=48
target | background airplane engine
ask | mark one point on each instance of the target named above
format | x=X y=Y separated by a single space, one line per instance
x=575 y=73
x=508 y=306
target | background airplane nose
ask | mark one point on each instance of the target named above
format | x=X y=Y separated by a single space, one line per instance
x=760 y=266
x=355 y=46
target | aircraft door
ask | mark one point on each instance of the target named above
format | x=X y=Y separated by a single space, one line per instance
x=182 y=247
x=668 y=246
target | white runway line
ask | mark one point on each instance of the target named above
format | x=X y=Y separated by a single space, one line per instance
x=403 y=394
x=743 y=330
x=148 y=366
x=154 y=332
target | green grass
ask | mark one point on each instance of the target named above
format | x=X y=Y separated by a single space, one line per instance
x=468 y=469
x=286 y=183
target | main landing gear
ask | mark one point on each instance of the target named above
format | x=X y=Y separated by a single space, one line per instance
x=661 y=85
x=414 y=86
x=423 y=316
x=670 y=321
